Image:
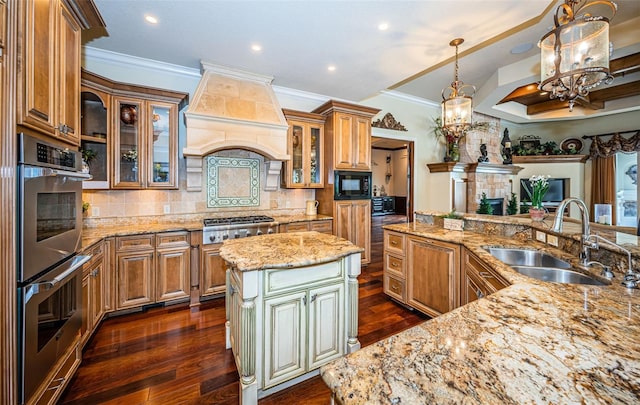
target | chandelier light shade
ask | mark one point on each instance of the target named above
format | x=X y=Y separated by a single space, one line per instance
x=574 y=55
x=457 y=101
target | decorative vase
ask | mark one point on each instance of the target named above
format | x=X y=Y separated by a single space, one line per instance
x=537 y=214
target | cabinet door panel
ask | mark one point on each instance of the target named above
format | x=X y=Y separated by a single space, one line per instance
x=69 y=79
x=326 y=332
x=343 y=138
x=362 y=227
x=431 y=272
x=212 y=270
x=135 y=279
x=362 y=144
x=38 y=83
x=343 y=220
x=284 y=340
x=163 y=145
x=128 y=153
x=173 y=273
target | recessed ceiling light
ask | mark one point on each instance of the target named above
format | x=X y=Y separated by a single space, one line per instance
x=256 y=47
x=522 y=48
x=383 y=26
x=331 y=68
x=150 y=19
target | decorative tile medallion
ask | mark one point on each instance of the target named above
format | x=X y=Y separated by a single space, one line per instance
x=233 y=182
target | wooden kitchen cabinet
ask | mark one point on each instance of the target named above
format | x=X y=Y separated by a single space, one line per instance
x=138 y=127
x=305 y=327
x=347 y=135
x=478 y=280
x=352 y=221
x=433 y=272
x=173 y=252
x=93 y=273
x=394 y=270
x=147 y=273
x=322 y=226
x=49 y=75
x=305 y=146
x=212 y=270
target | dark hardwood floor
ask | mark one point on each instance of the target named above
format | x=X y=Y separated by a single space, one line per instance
x=177 y=355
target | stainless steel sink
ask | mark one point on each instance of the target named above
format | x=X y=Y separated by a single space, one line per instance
x=556 y=275
x=527 y=257
x=541 y=266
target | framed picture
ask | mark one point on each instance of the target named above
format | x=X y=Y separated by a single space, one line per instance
x=529 y=143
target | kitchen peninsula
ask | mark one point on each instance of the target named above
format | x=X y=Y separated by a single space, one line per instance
x=291 y=306
x=531 y=342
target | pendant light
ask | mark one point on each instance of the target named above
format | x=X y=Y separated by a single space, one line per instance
x=574 y=55
x=457 y=101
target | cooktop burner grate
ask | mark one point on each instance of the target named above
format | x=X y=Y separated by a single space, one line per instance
x=252 y=219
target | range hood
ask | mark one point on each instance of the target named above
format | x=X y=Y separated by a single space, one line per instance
x=234 y=109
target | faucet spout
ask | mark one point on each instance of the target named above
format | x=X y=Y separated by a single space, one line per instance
x=585 y=244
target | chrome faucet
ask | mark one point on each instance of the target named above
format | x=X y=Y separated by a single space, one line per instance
x=585 y=243
x=631 y=278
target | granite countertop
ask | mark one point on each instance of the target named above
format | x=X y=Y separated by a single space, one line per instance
x=532 y=342
x=158 y=224
x=285 y=250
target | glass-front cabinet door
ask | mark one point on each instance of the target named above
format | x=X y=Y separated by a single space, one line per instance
x=162 y=140
x=304 y=169
x=128 y=156
x=94 y=141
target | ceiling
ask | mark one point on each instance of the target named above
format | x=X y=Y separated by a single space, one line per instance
x=300 y=39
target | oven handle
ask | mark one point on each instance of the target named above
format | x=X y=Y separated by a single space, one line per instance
x=36 y=288
x=72 y=175
x=36 y=171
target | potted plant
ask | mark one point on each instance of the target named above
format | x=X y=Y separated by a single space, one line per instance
x=539 y=185
x=484 y=207
x=453 y=221
x=88 y=156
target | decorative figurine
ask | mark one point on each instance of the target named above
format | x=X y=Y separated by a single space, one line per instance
x=483 y=154
x=506 y=148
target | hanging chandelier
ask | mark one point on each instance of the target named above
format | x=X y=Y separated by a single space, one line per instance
x=457 y=101
x=574 y=55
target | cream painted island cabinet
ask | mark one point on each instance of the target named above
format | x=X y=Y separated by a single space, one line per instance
x=292 y=306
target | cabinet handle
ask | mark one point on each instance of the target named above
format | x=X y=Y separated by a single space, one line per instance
x=304 y=300
x=313 y=297
x=394 y=288
x=479 y=294
x=486 y=274
x=395 y=264
x=393 y=242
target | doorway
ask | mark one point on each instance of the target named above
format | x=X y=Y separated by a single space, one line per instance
x=392 y=177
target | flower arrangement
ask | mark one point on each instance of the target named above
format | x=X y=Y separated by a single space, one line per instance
x=130 y=156
x=539 y=187
x=452 y=138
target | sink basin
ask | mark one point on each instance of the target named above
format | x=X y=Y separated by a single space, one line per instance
x=556 y=275
x=527 y=257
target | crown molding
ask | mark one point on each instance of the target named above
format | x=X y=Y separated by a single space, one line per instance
x=124 y=60
x=410 y=98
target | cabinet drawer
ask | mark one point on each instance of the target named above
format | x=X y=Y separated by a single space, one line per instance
x=394 y=288
x=172 y=239
x=394 y=242
x=60 y=379
x=296 y=227
x=276 y=281
x=394 y=264
x=321 y=226
x=134 y=243
x=484 y=273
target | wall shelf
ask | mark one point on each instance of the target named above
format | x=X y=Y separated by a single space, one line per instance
x=551 y=159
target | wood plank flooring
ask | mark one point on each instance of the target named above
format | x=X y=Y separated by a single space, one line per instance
x=177 y=355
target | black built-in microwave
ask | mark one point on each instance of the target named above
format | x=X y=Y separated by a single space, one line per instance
x=350 y=185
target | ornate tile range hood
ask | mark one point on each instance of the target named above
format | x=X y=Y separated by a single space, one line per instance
x=234 y=109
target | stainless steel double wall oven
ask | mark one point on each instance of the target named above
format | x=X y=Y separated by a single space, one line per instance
x=49 y=268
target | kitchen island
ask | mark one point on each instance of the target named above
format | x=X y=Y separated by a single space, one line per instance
x=291 y=306
x=531 y=342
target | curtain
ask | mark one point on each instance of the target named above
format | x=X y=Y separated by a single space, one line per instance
x=603 y=187
x=617 y=143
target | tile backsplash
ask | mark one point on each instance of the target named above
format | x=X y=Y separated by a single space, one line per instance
x=131 y=203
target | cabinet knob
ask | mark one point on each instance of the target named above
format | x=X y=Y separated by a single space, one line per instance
x=479 y=294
